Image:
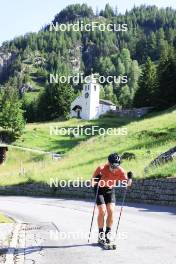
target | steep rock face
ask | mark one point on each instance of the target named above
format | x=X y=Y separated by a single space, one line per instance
x=5 y=60
x=75 y=57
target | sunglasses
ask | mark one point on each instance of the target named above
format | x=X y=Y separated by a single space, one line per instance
x=114 y=166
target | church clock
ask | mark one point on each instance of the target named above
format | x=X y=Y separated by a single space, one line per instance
x=86 y=95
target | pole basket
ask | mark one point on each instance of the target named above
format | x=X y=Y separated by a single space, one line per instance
x=3 y=154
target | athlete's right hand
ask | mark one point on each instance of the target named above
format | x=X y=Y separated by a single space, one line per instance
x=95 y=180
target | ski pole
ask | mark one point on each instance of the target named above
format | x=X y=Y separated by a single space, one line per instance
x=93 y=213
x=130 y=176
x=121 y=209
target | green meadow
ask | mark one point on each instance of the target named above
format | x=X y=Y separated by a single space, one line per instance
x=146 y=137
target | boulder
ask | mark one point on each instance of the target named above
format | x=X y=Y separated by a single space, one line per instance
x=128 y=156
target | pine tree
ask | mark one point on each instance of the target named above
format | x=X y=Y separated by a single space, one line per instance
x=108 y=12
x=126 y=59
x=147 y=85
x=102 y=93
x=125 y=97
x=11 y=113
x=106 y=67
x=55 y=101
x=120 y=67
x=109 y=92
x=166 y=92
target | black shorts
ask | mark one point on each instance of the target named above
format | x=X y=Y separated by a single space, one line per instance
x=105 y=195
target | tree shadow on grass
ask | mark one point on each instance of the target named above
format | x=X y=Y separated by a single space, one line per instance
x=68 y=142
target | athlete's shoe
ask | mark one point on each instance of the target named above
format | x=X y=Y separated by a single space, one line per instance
x=101 y=238
x=108 y=238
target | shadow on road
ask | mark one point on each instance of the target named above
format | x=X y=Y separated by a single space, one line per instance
x=30 y=250
x=19 y=251
x=153 y=208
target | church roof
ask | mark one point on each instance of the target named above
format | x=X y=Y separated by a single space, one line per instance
x=106 y=102
x=77 y=107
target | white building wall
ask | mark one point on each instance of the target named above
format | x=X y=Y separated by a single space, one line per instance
x=91 y=108
x=85 y=114
x=77 y=101
x=94 y=98
x=105 y=108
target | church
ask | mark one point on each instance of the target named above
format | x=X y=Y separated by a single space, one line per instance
x=89 y=106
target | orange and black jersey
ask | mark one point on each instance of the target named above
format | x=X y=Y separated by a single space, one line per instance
x=110 y=178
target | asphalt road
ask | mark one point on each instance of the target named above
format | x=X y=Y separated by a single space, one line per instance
x=147 y=233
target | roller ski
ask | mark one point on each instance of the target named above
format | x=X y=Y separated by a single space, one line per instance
x=106 y=244
x=109 y=244
x=101 y=239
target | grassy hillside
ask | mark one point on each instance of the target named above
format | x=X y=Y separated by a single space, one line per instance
x=146 y=138
x=4 y=219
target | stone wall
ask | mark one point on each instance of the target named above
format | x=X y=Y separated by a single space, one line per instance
x=160 y=191
x=135 y=112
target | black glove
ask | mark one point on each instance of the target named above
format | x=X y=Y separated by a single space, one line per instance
x=97 y=178
x=129 y=175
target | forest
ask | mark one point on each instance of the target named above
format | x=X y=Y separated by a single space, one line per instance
x=146 y=53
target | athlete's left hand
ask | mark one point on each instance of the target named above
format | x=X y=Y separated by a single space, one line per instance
x=130 y=176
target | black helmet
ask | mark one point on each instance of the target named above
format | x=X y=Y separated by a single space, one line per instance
x=114 y=160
